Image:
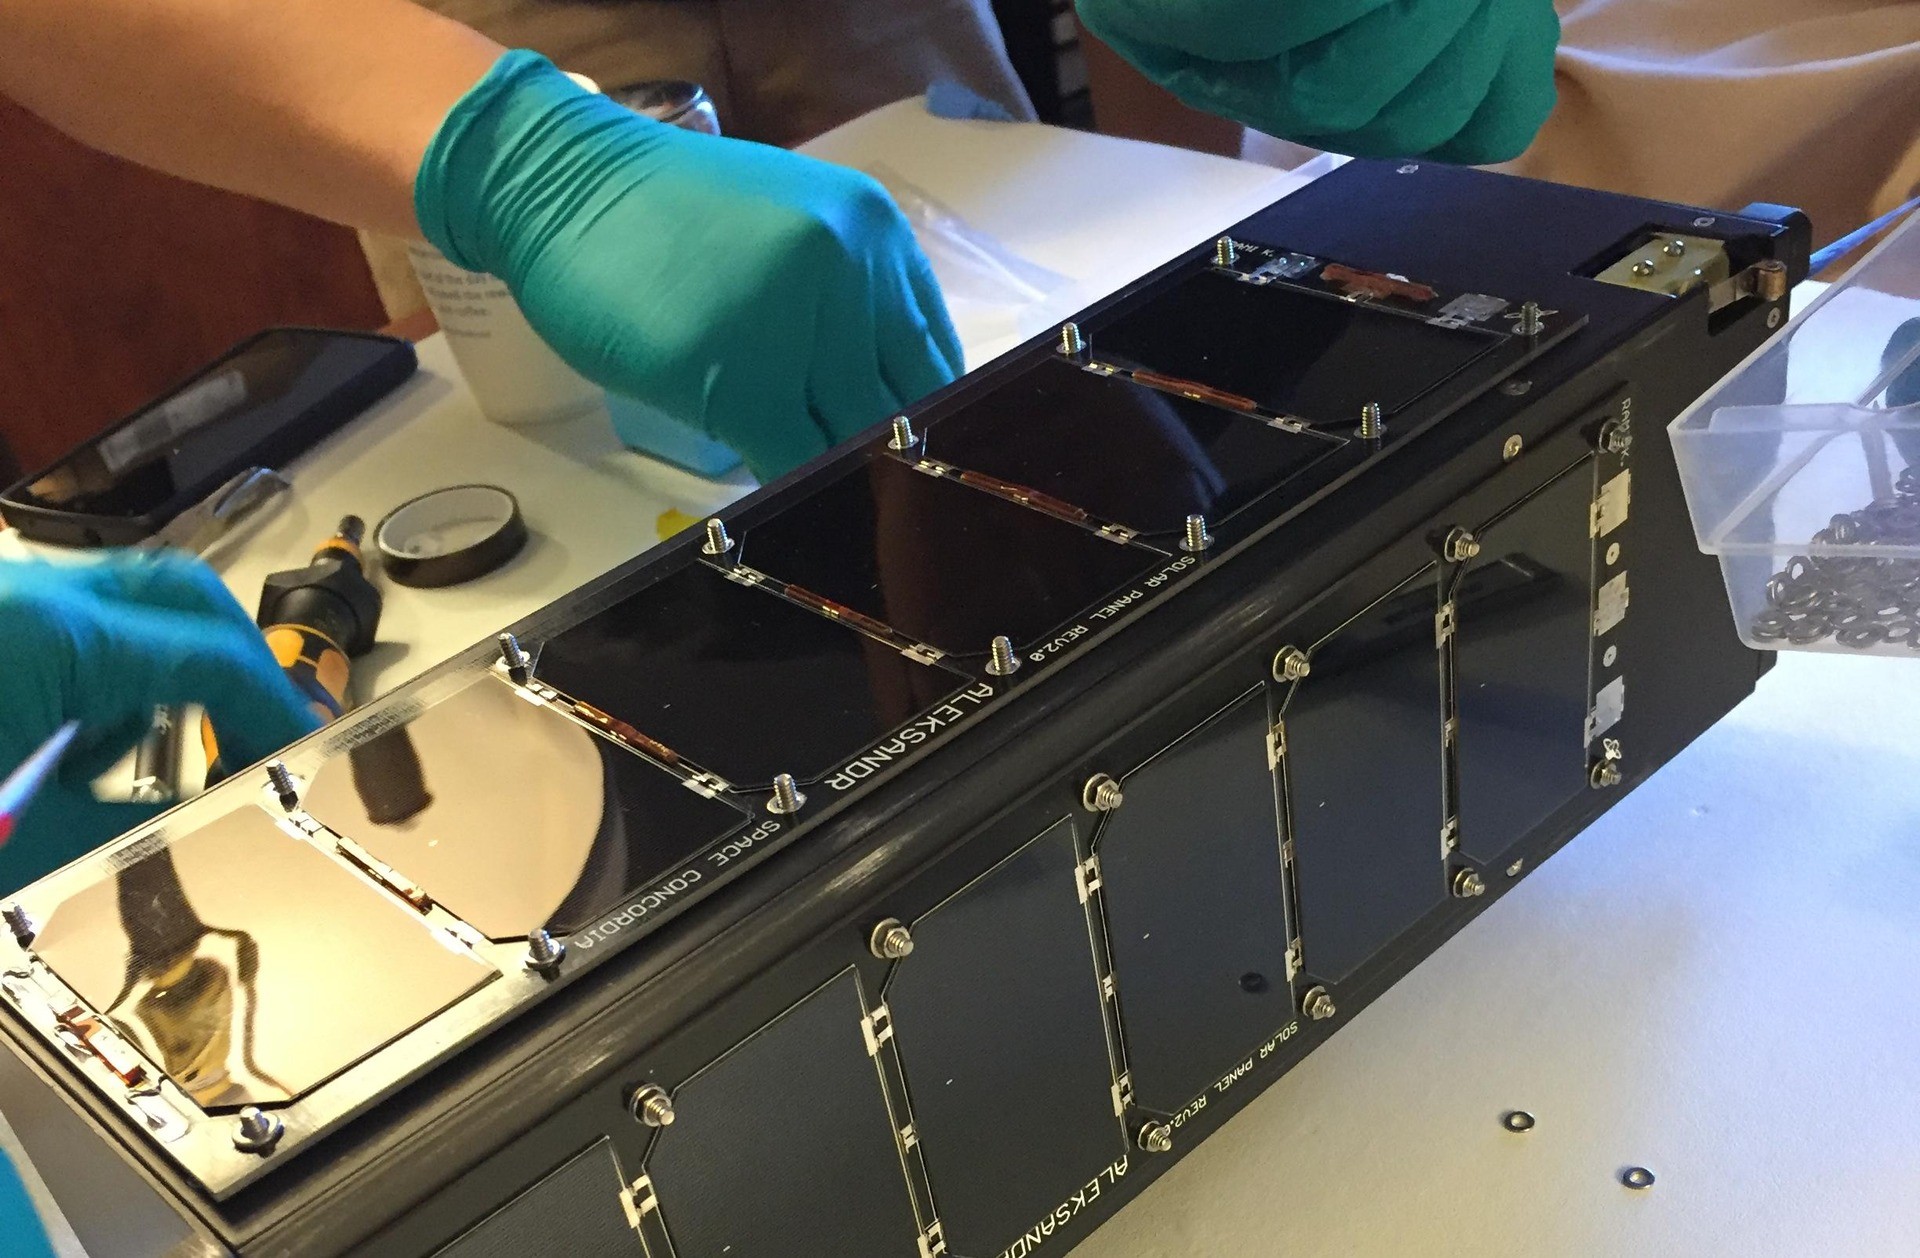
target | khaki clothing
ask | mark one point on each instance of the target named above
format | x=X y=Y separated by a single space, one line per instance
x=779 y=71
x=1813 y=103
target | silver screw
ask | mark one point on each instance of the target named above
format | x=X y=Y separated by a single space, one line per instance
x=1511 y=450
x=1643 y=268
x=1674 y=248
x=1102 y=794
x=1775 y=318
x=718 y=542
x=1606 y=770
x=1196 y=537
x=1517 y=1120
x=1612 y=654
x=890 y=940
x=1468 y=886
x=1408 y=169
x=1290 y=663
x=1613 y=553
x=544 y=952
x=1001 y=661
x=257 y=1131
x=1371 y=423
x=1071 y=342
x=1318 y=1004
x=283 y=785
x=1514 y=870
x=904 y=437
x=1460 y=546
x=787 y=798
x=1637 y=1177
x=1616 y=437
x=1705 y=220
x=1516 y=388
x=519 y=664
x=15 y=916
x=1156 y=1138
x=1531 y=322
x=1224 y=252
x=651 y=1105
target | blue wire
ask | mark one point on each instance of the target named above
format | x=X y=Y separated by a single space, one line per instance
x=1824 y=258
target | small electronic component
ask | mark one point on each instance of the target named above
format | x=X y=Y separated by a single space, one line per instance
x=1670 y=263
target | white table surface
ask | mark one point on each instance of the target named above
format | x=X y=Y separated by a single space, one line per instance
x=1717 y=981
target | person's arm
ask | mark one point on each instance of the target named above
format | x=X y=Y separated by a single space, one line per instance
x=322 y=105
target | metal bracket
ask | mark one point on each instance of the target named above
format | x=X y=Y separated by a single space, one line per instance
x=639 y=1200
x=932 y=1242
x=1276 y=744
x=707 y=784
x=1086 y=878
x=1294 y=960
x=1122 y=1094
x=1443 y=624
x=921 y=653
x=1610 y=605
x=1611 y=505
x=908 y=1137
x=876 y=1028
x=1450 y=836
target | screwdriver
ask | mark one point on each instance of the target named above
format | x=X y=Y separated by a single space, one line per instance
x=316 y=619
x=17 y=792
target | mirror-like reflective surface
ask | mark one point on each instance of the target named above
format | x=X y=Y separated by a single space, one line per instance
x=942 y=563
x=512 y=815
x=740 y=681
x=1126 y=453
x=249 y=965
x=1316 y=358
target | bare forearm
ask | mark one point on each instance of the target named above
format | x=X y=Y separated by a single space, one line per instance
x=323 y=105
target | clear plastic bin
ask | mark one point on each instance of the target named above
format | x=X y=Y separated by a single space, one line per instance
x=1802 y=469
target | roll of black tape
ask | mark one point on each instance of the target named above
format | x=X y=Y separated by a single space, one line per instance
x=450 y=536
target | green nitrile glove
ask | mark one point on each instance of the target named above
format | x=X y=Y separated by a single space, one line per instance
x=777 y=303
x=105 y=644
x=1459 y=80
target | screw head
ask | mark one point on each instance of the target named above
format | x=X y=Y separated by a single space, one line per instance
x=1705 y=220
x=1674 y=248
x=1517 y=1120
x=651 y=1105
x=256 y=1131
x=1643 y=268
x=1460 y=546
x=1071 y=342
x=1511 y=450
x=1517 y=868
x=890 y=940
x=787 y=798
x=1606 y=774
x=1775 y=317
x=283 y=785
x=718 y=541
x=1290 y=663
x=1637 y=1177
x=1317 y=1004
x=1616 y=437
x=1468 y=885
x=1156 y=1138
x=1408 y=169
x=18 y=923
x=1515 y=388
x=1101 y=794
x=544 y=952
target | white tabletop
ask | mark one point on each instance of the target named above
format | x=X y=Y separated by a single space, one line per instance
x=1717 y=981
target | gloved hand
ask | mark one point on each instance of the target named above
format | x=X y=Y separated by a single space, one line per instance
x=105 y=643
x=19 y=1221
x=1459 y=80
x=775 y=302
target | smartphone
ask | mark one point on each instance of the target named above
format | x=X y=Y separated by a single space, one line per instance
x=263 y=403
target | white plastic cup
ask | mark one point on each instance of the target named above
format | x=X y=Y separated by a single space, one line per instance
x=514 y=376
